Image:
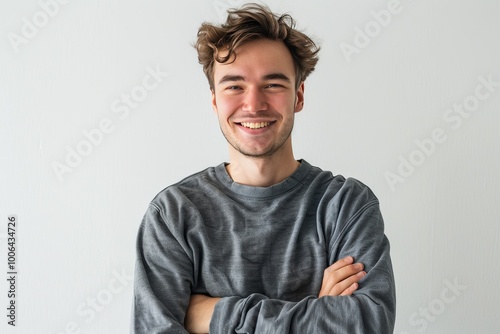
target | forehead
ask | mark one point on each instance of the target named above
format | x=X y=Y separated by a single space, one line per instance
x=257 y=59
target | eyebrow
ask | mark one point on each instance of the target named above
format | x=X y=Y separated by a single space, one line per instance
x=271 y=76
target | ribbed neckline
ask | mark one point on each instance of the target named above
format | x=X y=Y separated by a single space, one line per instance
x=262 y=192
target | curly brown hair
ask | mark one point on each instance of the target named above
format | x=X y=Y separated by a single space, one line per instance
x=253 y=21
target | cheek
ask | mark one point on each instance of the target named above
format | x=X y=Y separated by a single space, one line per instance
x=284 y=103
x=227 y=106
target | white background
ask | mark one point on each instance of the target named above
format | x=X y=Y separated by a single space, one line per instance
x=364 y=113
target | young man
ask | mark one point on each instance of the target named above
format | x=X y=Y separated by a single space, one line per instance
x=264 y=243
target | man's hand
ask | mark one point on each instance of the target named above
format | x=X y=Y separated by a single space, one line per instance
x=341 y=278
x=199 y=313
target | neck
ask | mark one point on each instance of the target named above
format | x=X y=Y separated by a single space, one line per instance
x=261 y=171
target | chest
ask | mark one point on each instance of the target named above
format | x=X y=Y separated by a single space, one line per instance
x=280 y=256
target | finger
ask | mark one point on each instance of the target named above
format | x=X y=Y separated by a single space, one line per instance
x=332 y=277
x=347 y=284
x=341 y=263
x=340 y=287
x=350 y=290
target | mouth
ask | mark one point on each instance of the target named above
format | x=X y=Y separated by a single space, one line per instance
x=257 y=125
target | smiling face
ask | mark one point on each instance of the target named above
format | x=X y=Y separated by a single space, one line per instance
x=255 y=98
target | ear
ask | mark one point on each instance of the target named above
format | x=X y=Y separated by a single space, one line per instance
x=214 y=101
x=299 y=98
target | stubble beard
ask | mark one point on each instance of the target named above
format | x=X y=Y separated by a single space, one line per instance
x=277 y=145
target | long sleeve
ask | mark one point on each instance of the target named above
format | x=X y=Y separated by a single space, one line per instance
x=358 y=231
x=163 y=276
x=263 y=251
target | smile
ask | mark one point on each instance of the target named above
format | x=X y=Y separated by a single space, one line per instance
x=257 y=125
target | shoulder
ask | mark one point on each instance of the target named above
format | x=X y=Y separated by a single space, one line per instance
x=341 y=188
x=351 y=189
x=348 y=204
x=197 y=184
x=341 y=196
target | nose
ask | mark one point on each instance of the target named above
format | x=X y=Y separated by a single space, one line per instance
x=254 y=101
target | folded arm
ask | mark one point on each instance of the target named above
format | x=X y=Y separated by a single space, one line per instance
x=369 y=309
x=339 y=279
x=165 y=300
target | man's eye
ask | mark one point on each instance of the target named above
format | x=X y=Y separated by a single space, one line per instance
x=273 y=85
x=233 y=88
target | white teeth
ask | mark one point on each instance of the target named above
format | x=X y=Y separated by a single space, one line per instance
x=255 y=125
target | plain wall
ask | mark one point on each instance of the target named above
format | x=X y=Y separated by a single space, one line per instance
x=398 y=101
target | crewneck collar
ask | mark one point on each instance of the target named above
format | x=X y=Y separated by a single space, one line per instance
x=262 y=192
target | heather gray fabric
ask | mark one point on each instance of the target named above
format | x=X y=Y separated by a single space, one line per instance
x=264 y=251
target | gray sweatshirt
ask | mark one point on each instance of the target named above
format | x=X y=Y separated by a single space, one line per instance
x=263 y=250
